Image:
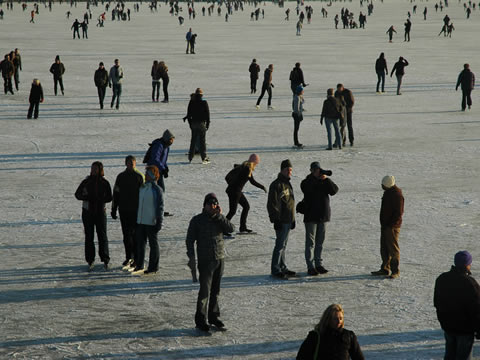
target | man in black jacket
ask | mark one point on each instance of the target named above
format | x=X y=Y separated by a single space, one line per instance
x=7 y=69
x=198 y=115
x=331 y=112
x=399 y=70
x=57 y=69
x=467 y=81
x=296 y=78
x=457 y=300
x=35 y=98
x=266 y=86
x=254 y=69
x=316 y=188
x=101 y=82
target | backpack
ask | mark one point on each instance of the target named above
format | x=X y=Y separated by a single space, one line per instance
x=233 y=174
x=148 y=154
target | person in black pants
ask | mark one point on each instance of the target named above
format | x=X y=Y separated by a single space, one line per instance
x=57 y=69
x=101 y=82
x=35 y=98
x=467 y=81
x=198 y=115
x=267 y=86
x=163 y=71
x=254 y=69
x=95 y=192
x=381 y=70
x=399 y=70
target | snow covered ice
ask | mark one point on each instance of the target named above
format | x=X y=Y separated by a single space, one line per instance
x=53 y=308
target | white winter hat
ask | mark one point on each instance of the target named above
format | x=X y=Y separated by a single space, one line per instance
x=388 y=181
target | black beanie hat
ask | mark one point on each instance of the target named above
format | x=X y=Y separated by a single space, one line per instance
x=285 y=164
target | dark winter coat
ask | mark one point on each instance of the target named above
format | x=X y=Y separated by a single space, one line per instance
x=267 y=77
x=7 y=68
x=254 y=69
x=125 y=191
x=281 y=202
x=457 y=300
x=381 y=66
x=334 y=345
x=57 y=70
x=36 y=94
x=241 y=179
x=349 y=99
x=95 y=191
x=316 y=197
x=159 y=154
x=155 y=73
x=198 y=113
x=207 y=230
x=296 y=77
x=101 y=78
x=391 y=210
x=466 y=79
x=399 y=67
x=331 y=108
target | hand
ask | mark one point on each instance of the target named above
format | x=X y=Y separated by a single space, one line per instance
x=272 y=85
x=293 y=225
x=264 y=189
x=456 y=89
x=109 y=85
x=114 y=215
x=165 y=172
x=277 y=225
x=321 y=121
x=192 y=263
x=158 y=225
x=41 y=100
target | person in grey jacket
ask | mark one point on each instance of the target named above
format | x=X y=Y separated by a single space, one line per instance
x=115 y=78
x=206 y=229
x=297 y=113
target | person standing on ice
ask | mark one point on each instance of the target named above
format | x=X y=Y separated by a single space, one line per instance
x=332 y=113
x=296 y=78
x=95 y=192
x=347 y=96
x=35 y=98
x=236 y=180
x=115 y=79
x=266 y=86
x=466 y=80
x=253 y=69
x=399 y=70
x=297 y=114
x=391 y=213
x=158 y=156
x=457 y=301
x=75 y=27
x=390 y=32
x=101 y=81
x=207 y=229
x=188 y=37
x=381 y=70
x=57 y=69
x=163 y=71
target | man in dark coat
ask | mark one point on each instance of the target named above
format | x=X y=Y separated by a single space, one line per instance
x=206 y=229
x=349 y=100
x=316 y=188
x=399 y=70
x=75 y=27
x=296 y=78
x=457 y=300
x=17 y=63
x=35 y=98
x=467 y=81
x=101 y=82
x=266 y=86
x=391 y=213
x=381 y=70
x=6 y=66
x=160 y=149
x=331 y=112
x=57 y=69
x=198 y=115
x=254 y=69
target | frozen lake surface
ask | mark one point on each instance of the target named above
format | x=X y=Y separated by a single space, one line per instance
x=52 y=308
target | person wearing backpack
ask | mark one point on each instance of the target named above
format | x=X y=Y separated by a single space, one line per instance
x=236 y=180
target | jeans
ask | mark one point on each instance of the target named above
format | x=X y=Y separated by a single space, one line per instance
x=128 y=220
x=117 y=91
x=101 y=94
x=328 y=124
x=278 y=256
x=381 y=78
x=314 y=238
x=210 y=276
x=389 y=249
x=458 y=347
x=142 y=233
x=91 y=222
x=466 y=98
x=268 y=89
x=155 y=89
x=235 y=198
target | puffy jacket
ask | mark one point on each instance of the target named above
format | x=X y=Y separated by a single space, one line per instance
x=391 y=210
x=94 y=191
x=125 y=190
x=101 y=78
x=316 y=196
x=457 y=300
x=207 y=230
x=57 y=69
x=159 y=154
x=467 y=79
x=281 y=202
x=150 y=204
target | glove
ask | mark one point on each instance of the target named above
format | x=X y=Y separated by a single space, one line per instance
x=293 y=225
x=277 y=225
x=158 y=225
x=321 y=121
x=114 y=215
x=272 y=86
x=165 y=172
x=264 y=189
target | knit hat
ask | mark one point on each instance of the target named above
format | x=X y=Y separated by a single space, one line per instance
x=285 y=164
x=299 y=89
x=462 y=258
x=315 y=165
x=101 y=64
x=167 y=135
x=209 y=198
x=388 y=181
x=254 y=158
x=57 y=57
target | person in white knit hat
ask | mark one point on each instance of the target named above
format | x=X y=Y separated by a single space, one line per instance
x=391 y=213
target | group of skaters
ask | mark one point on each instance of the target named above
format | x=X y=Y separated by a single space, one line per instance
x=10 y=66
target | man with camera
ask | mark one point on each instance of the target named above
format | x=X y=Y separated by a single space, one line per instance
x=316 y=188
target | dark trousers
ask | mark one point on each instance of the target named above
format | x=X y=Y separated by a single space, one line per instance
x=399 y=83
x=7 y=84
x=389 y=249
x=57 y=81
x=161 y=182
x=155 y=90
x=381 y=78
x=33 y=108
x=466 y=98
x=76 y=31
x=128 y=220
x=84 y=34
x=117 y=92
x=297 y=118
x=211 y=273
x=253 y=84
x=407 y=36
x=458 y=347
x=198 y=137
x=16 y=77
x=98 y=222
x=101 y=94
x=165 y=89
x=234 y=199
x=142 y=233
x=350 y=126
x=268 y=89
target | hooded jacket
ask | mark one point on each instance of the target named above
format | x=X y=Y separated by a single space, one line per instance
x=36 y=93
x=159 y=154
x=57 y=69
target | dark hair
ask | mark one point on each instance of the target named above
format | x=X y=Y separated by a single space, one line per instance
x=130 y=158
x=100 y=167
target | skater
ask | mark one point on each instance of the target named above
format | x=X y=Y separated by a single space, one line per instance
x=390 y=32
x=466 y=79
x=336 y=21
x=188 y=37
x=297 y=114
x=32 y=16
x=332 y=113
x=115 y=79
x=198 y=115
x=457 y=301
x=155 y=73
x=207 y=229
x=125 y=200
x=316 y=188
x=299 y=27
x=450 y=30
x=158 y=155
x=76 y=27
x=296 y=78
x=254 y=69
x=425 y=13
x=236 y=180
x=444 y=30
x=17 y=63
x=84 y=26
x=101 y=81
x=95 y=191
x=391 y=213
x=35 y=98
x=281 y=211
x=330 y=340
x=7 y=68
x=193 y=40
x=408 y=27
x=349 y=102
x=149 y=223
x=381 y=70
x=57 y=69
x=399 y=70
x=266 y=86
x=163 y=71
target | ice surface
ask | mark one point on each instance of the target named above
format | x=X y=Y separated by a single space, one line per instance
x=52 y=308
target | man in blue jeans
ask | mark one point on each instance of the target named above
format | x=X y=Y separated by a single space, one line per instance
x=281 y=211
x=331 y=112
x=457 y=300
